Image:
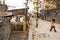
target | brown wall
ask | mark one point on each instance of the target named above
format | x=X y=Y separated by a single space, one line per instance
x=17 y=11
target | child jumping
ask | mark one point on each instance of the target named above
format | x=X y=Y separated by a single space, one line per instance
x=53 y=25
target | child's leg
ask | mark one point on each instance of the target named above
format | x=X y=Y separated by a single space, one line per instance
x=54 y=29
x=51 y=28
x=36 y=25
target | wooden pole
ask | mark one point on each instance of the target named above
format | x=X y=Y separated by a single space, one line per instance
x=25 y=20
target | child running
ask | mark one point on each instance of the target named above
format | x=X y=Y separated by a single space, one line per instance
x=53 y=25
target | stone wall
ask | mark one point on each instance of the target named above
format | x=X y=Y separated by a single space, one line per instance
x=5 y=32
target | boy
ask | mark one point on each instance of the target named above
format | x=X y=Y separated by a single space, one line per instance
x=36 y=23
x=53 y=25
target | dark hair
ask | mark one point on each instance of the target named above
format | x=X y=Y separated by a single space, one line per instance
x=53 y=20
x=36 y=19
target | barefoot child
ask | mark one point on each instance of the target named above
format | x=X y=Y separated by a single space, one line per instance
x=37 y=23
x=53 y=25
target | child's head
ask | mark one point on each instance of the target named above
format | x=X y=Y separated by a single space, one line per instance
x=53 y=20
x=36 y=19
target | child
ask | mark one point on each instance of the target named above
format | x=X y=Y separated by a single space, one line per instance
x=36 y=23
x=53 y=25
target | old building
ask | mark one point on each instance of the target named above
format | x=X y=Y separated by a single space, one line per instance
x=17 y=11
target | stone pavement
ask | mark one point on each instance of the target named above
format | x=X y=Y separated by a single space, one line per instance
x=16 y=35
x=42 y=32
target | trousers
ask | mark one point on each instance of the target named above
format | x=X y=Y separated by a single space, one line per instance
x=53 y=27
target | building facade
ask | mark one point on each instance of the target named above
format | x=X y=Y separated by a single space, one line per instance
x=35 y=2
